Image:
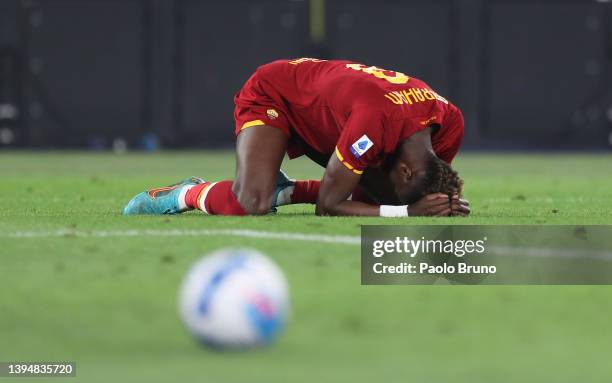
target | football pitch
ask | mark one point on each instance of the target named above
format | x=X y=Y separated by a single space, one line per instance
x=80 y=282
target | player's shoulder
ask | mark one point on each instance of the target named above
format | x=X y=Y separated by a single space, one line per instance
x=300 y=69
x=273 y=66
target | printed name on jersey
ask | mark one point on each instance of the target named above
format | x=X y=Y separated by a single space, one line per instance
x=361 y=146
x=414 y=95
x=305 y=59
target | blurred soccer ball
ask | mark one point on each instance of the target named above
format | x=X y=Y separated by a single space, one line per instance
x=234 y=298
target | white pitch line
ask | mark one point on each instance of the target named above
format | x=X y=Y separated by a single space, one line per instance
x=246 y=233
x=530 y=252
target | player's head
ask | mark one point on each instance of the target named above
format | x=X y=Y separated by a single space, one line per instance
x=416 y=171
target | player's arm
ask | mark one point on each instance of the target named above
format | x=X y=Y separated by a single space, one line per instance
x=337 y=185
x=339 y=182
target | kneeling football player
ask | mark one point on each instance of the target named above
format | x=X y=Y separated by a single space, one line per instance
x=386 y=141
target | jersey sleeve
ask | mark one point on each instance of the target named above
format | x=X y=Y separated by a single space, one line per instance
x=448 y=144
x=361 y=141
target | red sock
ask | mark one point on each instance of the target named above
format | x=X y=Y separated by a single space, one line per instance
x=308 y=190
x=305 y=191
x=215 y=198
x=191 y=197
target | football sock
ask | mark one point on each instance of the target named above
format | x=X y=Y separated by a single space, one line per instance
x=217 y=198
x=305 y=191
x=214 y=198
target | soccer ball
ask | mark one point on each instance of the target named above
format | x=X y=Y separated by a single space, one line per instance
x=234 y=298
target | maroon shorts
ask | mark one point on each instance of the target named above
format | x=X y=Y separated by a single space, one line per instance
x=253 y=107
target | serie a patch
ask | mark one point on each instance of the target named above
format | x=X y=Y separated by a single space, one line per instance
x=361 y=146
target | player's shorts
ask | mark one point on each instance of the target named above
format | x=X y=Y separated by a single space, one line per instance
x=253 y=107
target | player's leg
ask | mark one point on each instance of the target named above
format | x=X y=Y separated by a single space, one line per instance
x=259 y=154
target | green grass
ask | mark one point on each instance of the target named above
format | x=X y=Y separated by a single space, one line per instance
x=110 y=303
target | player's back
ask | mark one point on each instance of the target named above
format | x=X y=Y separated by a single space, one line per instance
x=321 y=99
x=337 y=84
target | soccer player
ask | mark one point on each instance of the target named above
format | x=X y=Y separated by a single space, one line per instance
x=386 y=141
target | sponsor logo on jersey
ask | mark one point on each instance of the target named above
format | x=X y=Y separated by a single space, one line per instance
x=361 y=146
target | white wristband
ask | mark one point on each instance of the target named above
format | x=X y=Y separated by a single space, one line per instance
x=393 y=211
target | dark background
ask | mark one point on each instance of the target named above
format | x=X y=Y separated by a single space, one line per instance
x=87 y=73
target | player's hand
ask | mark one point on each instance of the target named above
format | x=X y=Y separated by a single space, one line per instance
x=437 y=204
x=460 y=207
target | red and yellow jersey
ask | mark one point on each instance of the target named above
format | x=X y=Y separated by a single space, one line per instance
x=362 y=113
